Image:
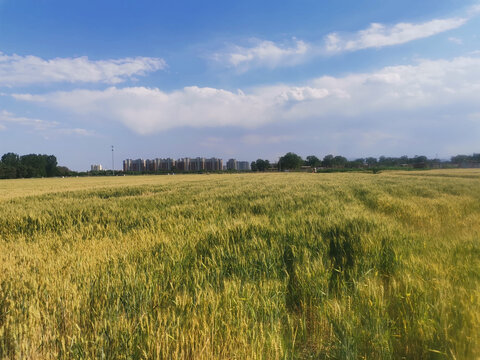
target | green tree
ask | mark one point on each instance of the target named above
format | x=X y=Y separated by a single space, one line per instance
x=63 y=171
x=357 y=163
x=340 y=161
x=327 y=161
x=419 y=159
x=262 y=165
x=11 y=159
x=313 y=161
x=371 y=161
x=7 y=172
x=290 y=161
x=27 y=166
x=51 y=166
x=35 y=165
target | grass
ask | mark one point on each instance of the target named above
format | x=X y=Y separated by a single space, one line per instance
x=242 y=266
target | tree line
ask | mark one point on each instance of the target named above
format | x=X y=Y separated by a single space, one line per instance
x=13 y=166
x=466 y=159
x=292 y=161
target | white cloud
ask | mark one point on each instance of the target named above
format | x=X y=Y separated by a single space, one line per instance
x=474 y=10
x=272 y=55
x=212 y=142
x=147 y=110
x=427 y=87
x=380 y=35
x=75 y=131
x=264 y=54
x=255 y=139
x=303 y=93
x=474 y=116
x=34 y=124
x=43 y=127
x=25 y=70
x=455 y=40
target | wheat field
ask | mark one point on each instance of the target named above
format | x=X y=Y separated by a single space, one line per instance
x=242 y=266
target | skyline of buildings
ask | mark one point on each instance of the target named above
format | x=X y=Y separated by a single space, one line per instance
x=183 y=164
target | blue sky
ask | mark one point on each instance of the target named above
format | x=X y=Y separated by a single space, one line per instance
x=242 y=79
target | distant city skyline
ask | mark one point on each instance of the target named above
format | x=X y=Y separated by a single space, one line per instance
x=242 y=80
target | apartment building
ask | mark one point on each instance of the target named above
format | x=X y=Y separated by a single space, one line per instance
x=243 y=166
x=127 y=165
x=214 y=164
x=197 y=164
x=183 y=164
x=138 y=165
x=155 y=165
x=150 y=165
x=165 y=164
x=232 y=164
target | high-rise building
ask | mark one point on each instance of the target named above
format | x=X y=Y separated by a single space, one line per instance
x=213 y=164
x=243 y=166
x=232 y=164
x=197 y=164
x=183 y=164
x=150 y=165
x=166 y=164
x=138 y=165
x=96 y=167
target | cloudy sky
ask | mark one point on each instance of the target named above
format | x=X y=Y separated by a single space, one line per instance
x=243 y=79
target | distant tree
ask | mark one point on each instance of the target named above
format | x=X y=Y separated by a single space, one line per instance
x=290 y=161
x=339 y=161
x=419 y=159
x=393 y=161
x=267 y=164
x=51 y=165
x=458 y=159
x=313 y=161
x=27 y=166
x=24 y=171
x=357 y=163
x=36 y=165
x=403 y=160
x=262 y=165
x=327 y=161
x=253 y=166
x=7 y=172
x=63 y=171
x=371 y=161
x=11 y=159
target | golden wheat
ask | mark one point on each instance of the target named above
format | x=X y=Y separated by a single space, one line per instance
x=252 y=266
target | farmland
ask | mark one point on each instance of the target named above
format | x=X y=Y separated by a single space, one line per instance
x=242 y=266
